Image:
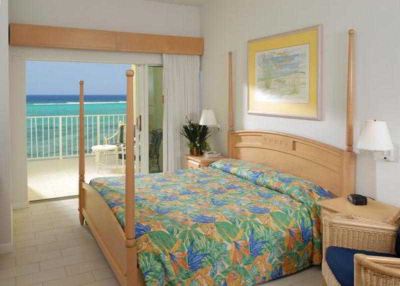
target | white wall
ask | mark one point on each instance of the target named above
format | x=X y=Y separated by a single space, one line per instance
x=5 y=206
x=123 y=15
x=227 y=25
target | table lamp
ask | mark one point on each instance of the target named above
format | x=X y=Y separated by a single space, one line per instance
x=208 y=118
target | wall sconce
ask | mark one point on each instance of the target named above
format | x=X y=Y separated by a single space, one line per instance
x=375 y=137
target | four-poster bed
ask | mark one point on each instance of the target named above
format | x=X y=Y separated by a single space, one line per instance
x=112 y=221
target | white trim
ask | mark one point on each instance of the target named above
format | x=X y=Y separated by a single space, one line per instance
x=6 y=248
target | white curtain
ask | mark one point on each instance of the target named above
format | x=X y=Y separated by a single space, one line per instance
x=181 y=83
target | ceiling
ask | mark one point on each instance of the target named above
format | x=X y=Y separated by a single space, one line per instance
x=183 y=2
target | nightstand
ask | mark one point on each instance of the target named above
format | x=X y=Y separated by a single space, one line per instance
x=195 y=162
x=371 y=227
x=374 y=210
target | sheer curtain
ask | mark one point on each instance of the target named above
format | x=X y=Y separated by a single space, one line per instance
x=181 y=82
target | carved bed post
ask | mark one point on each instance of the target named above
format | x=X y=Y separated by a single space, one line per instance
x=131 y=263
x=81 y=150
x=349 y=168
x=231 y=107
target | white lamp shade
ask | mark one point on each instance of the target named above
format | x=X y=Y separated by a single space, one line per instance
x=208 y=118
x=375 y=137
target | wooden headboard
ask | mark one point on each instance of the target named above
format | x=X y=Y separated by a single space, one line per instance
x=328 y=166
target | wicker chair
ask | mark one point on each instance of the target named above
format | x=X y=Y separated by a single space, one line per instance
x=370 y=270
x=360 y=237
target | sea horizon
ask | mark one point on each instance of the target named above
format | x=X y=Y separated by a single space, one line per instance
x=50 y=105
x=47 y=98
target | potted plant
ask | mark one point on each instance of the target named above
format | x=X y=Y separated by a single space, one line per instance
x=197 y=136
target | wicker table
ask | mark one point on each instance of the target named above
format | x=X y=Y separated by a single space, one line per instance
x=374 y=210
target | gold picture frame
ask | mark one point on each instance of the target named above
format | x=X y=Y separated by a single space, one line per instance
x=284 y=74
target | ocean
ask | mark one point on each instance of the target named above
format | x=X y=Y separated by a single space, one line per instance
x=49 y=105
x=52 y=123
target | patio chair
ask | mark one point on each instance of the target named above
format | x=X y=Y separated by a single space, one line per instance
x=118 y=139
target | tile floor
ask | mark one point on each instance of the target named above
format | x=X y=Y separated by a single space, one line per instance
x=51 y=248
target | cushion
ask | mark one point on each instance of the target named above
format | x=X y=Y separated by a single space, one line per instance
x=121 y=139
x=341 y=262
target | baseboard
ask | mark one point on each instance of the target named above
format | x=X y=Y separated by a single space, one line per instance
x=20 y=205
x=6 y=248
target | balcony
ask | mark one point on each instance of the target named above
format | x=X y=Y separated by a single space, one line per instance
x=50 y=137
x=55 y=178
x=52 y=152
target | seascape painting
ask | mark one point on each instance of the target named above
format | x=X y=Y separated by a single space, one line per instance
x=282 y=75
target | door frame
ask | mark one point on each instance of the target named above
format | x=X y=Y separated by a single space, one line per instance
x=142 y=114
x=142 y=118
x=18 y=57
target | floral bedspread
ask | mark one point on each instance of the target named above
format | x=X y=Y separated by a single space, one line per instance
x=234 y=223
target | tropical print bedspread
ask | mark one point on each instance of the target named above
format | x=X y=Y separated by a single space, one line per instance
x=234 y=223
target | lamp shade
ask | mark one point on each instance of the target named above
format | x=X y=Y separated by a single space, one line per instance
x=208 y=118
x=375 y=137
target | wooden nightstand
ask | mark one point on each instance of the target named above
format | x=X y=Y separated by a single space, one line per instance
x=375 y=211
x=195 y=162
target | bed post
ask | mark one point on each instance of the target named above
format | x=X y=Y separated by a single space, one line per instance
x=349 y=168
x=350 y=92
x=81 y=150
x=131 y=263
x=231 y=108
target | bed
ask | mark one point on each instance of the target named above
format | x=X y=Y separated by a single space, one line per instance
x=235 y=221
x=242 y=221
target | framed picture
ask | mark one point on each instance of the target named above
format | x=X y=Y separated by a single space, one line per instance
x=284 y=74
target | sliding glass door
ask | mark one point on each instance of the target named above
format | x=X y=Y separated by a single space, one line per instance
x=149 y=118
x=155 y=116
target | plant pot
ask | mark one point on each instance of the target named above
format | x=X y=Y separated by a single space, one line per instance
x=196 y=151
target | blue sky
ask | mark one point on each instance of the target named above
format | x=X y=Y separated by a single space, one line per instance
x=62 y=78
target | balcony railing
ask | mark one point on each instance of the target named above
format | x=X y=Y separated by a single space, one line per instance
x=57 y=136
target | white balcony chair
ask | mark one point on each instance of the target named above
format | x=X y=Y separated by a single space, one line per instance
x=118 y=139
